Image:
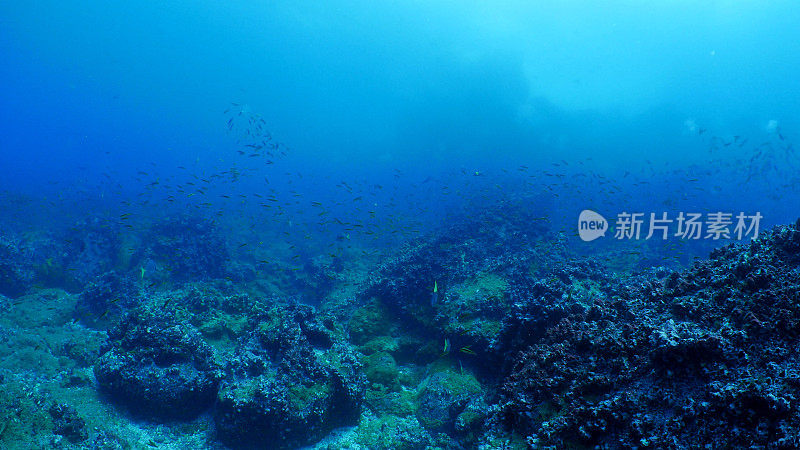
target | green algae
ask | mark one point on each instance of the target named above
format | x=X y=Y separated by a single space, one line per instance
x=475 y=308
x=222 y=325
x=304 y=396
x=485 y=285
x=221 y=330
x=485 y=328
x=439 y=396
x=368 y=322
x=381 y=368
x=387 y=432
x=385 y=344
x=401 y=403
x=585 y=291
x=21 y=417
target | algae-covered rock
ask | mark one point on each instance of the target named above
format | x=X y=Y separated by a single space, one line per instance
x=67 y=423
x=105 y=297
x=491 y=240
x=368 y=322
x=381 y=401
x=273 y=407
x=380 y=344
x=414 y=350
x=290 y=382
x=445 y=395
x=158 y=367
x=381 y=368
x=390 y=433
x=472 y=313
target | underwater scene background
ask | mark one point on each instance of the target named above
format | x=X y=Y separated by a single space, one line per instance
x=399 y=225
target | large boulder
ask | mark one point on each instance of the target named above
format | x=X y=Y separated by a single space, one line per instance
x=291 y=381
x=158 y=367
x=444 y=397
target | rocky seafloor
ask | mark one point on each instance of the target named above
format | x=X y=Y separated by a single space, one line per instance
x=524 y=344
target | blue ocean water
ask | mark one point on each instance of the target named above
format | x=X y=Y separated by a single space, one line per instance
x=226 y=194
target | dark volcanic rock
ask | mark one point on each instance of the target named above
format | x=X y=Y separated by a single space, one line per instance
x=471 y=265
x=290 y=382
x=106 y=296
x=444 y=397
x=706 y=357
x=158 y=367
x=496 y=240
x=67 y=423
